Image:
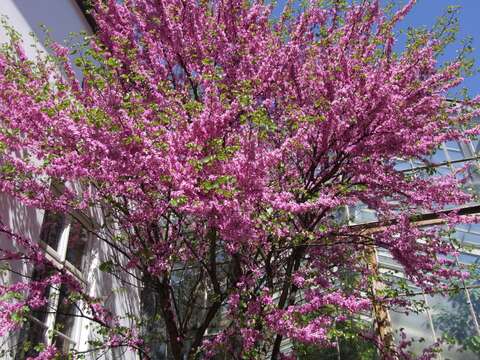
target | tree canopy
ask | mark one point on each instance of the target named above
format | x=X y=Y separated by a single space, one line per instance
x=214 y=149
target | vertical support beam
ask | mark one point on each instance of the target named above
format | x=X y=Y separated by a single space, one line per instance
x=381 y=316
x=430 y=322
x=469 y=302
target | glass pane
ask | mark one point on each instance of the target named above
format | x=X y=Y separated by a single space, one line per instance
x=443 y=170
x=475 y=228
x=403 y=165
x=31 y=334
x=52 y=228
x=465 y=258
x=77 y=243
x=415 y=324
x=34 y=331
x=452 y=145
x=118 y=353
x=455 y=155
x=64 y=321
x=63 y=344
x=475 y=144
x=452 y=319
x=41 y=313
x=37 y=333
x=439 y=156
x=472 y=238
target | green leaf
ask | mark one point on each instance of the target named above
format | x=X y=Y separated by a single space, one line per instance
x=178 y=201
x=107 y=266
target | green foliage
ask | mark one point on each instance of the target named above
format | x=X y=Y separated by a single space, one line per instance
x=350 y=345
x=178 y=201
x=107 y=266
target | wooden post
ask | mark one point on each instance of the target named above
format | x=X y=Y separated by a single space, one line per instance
x=381 y=316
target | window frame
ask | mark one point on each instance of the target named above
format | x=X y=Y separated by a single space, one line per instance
x=58 y=257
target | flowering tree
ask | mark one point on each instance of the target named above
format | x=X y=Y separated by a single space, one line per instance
x=220 y=146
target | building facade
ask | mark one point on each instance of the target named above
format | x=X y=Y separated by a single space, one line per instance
x=64 y=238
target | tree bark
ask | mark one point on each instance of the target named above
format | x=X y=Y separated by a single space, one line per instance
x=288 y=289
x=169 y=318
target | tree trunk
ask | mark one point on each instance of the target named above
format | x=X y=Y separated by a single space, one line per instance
x=156 y=301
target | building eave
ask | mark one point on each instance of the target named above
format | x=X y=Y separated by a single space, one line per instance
x=86 y=8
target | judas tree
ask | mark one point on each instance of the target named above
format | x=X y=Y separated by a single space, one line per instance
x=213 y=147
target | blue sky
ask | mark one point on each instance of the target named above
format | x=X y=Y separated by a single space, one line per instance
x=425 y=14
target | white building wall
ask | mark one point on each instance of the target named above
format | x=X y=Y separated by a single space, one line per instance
x=61 y=18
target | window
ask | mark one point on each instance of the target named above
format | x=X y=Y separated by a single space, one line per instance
x=64 y=239
x=454 y=315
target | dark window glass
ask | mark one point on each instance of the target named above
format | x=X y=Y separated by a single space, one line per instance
x=31 y=334
x=52 y=227
x=64 y=320
x=77 y=243
x=39 y=274
x=34 y=331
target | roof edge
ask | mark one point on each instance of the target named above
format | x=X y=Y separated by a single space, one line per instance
x=86 y=8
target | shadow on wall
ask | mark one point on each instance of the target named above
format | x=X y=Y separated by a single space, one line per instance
x=21 y=219
x=25 y=221
x=119 y=294
x=61 y=18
